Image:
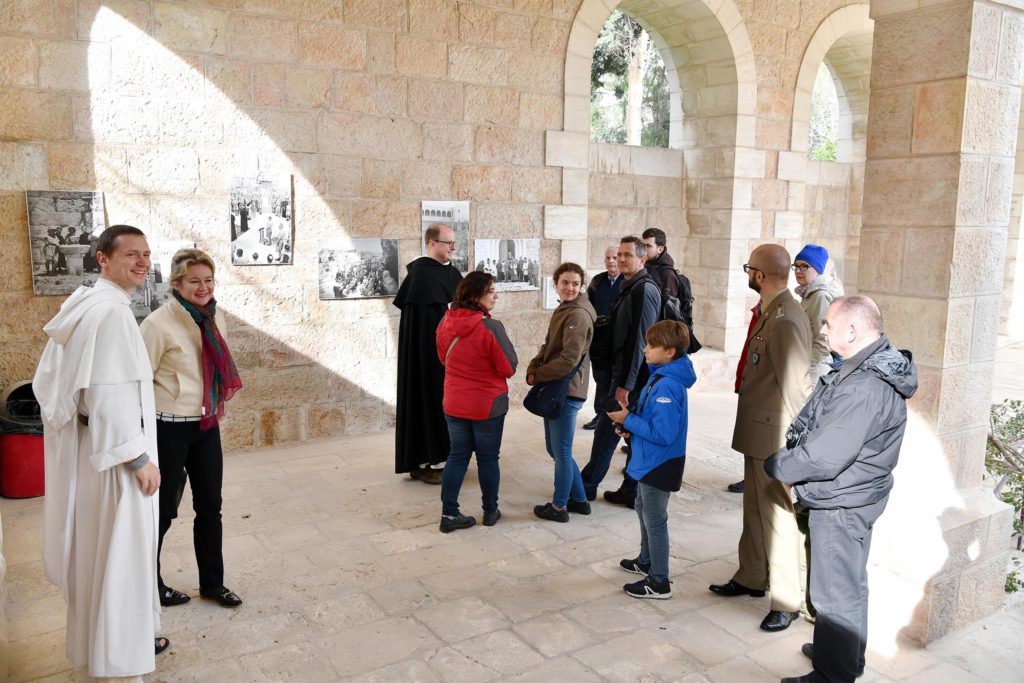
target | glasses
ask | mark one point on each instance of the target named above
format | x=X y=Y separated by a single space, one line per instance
x=451 y=245
x=801 y=267
x=747 y=268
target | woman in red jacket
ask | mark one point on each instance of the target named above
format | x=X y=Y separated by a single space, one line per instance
x=478 y=358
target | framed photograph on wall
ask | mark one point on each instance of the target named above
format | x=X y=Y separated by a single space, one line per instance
x=550 y=293
x=157 y=289
x=63 y=228
x=456 y=216
x=262 y=220
x=514 y=263
x=358 y=268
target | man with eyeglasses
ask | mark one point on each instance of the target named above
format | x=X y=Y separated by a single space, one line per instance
x=773 y=388
x=816 y=291
x=421 y=433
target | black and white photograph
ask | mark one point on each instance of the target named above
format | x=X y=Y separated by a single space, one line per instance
x=262 y=226
x=152 y=295
x=515 y=264
x=550 y=293
x=63 y=228
x=456 y=216
x=357 y=269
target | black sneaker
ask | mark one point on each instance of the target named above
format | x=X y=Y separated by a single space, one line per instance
x=620 y=498
x=581 y=507
x=649 y=588
x=635 y=566
x=547 y=511
x=455 y=522
x=491 y=518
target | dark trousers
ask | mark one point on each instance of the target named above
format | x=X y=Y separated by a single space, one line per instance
x=605 y=441
x=840 y=541
x=603 y=382
x=188 y=453
x=468 y=436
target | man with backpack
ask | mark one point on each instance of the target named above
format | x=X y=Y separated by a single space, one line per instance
x=621 y=348
x=676 y=293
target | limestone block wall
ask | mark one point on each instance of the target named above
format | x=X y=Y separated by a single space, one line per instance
x=371 y=106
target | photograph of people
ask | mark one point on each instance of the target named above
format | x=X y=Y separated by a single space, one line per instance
x=193 y=376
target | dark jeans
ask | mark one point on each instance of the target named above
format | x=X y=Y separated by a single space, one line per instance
x=185 y=452
x=467 y=436
x=605 y=441
x=840 y=540
x=603 y=382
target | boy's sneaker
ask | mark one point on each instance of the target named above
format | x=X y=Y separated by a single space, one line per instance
x=649 y=588
x=451 y=523
x=547 y=511
x=579 y=507
x=635 y=567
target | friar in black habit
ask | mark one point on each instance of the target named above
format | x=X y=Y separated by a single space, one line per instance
x=421 y=433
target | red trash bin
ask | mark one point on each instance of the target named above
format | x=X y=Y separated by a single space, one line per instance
x=21 y=465
x=21 y=443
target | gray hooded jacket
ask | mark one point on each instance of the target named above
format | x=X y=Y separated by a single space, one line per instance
x=845 y=441
x=815 y=299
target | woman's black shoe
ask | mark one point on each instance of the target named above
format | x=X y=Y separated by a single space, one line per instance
x=547 y=511
x=161 y=644
x=222 y=595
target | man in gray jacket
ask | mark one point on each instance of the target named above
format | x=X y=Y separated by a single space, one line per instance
x=840 y=453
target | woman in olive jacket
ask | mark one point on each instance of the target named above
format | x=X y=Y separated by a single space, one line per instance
x=568 y=339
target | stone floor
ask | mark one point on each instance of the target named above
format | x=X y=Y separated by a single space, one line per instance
x=346 y=577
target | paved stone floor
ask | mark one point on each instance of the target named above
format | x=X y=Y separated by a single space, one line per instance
x=346 y=577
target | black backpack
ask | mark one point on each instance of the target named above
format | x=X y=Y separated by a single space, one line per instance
x=680 y=307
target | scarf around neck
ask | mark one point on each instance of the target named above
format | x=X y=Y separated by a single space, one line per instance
x=220 y=376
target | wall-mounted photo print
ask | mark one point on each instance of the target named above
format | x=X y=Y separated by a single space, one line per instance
x=515 y=264
x=550 y=293
x=357 y=269
x=157 y=290
x=456 y=216
x=63 y=228
x=262 y=225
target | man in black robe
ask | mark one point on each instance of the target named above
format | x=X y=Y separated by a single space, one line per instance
x=421 y=433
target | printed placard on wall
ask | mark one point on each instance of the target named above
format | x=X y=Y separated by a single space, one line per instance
x=514 y=263
x=63 y=228
x=456 y=216
x=262 y=220
x=357 y=269
x=550 y=293
x=157 y=290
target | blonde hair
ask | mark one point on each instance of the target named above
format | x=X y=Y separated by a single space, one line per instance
x=184 y=258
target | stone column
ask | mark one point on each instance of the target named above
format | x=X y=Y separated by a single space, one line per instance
x=945 y=95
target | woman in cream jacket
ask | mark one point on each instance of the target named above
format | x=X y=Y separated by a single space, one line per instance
x=193 y=375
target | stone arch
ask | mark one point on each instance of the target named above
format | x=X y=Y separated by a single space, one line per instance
x=709 y=62
x=842 y=43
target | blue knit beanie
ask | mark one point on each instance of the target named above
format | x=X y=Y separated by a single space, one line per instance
x=816 y=256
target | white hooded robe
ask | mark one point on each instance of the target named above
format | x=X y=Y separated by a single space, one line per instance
x=100 y=530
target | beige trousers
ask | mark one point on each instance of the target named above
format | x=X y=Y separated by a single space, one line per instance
x=771 y=545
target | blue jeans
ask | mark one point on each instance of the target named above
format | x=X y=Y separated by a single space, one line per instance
x=558 y=435
x=652 y=509
x=467 y=436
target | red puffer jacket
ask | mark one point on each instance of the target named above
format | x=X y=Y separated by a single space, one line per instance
x=478 y=365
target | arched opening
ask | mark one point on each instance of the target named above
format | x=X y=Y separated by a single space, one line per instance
x=629 y=95
x=823 y=123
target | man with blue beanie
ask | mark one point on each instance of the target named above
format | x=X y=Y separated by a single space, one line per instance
x=657 y=432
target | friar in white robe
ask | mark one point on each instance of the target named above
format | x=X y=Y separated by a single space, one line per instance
x=100 y=534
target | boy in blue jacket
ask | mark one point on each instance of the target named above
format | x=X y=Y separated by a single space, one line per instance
x=657 y=429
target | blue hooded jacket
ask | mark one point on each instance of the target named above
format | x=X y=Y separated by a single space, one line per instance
x=660 y=422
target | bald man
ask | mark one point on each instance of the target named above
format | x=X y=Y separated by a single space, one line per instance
x=839 y=456
x=773 y=389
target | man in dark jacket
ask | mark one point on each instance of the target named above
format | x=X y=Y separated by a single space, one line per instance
x=635 y=310
x=840 y=453
x=602 y=291
x=421 y=435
